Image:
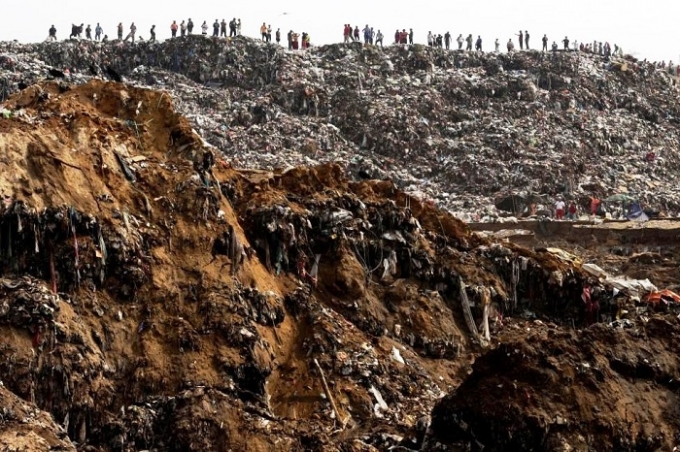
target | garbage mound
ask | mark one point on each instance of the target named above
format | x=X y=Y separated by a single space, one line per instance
x=602 y=388
x=26 y=428
x=458 y=128
x=152 y=296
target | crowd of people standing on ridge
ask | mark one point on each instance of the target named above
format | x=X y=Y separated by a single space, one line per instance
x=186 y=28
x=354 y=34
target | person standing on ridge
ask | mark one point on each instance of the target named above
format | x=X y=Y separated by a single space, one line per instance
x=447 y=40
x=526 y=39
x=468 y=43
x=88 y=32
x=173 y=28
x=204 y=28
x=238 y=27
x=232 y=27
x=278 y=36
x=216 y=28
x=510 y=46
x=98 y=32
x=120 y=31
x=521 y=40
x=478 y=44
x=545 y=43
x=269 y=33
x=190 y=26
x=410 y=36
x=559 y=209
x=379 y=39
x=459 y=39
x=182 y=29
x=356 y=33
x=497 y=45
x=565 y=41
x=290 y=40
x=131 y=35
x=429 y=39
x=152 y=34
x=346 y=32
x=263 y=32
x=52 y=34
x=223 y=28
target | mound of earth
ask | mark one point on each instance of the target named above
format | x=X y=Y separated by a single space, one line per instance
x=152 y=296
x=553 y=389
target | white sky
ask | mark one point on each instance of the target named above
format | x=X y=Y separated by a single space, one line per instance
x=647 y=29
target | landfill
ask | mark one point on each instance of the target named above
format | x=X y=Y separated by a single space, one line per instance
x=461 y=129
x=221 y=245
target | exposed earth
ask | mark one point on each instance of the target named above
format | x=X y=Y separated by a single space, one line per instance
x=153 y=296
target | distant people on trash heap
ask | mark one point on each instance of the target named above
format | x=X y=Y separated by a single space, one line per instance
x=370 y=37
x=52 y=34
x=76 y=31
x=559 y=209
x=131 y=35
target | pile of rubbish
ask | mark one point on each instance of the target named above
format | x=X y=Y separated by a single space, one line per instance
x=154 y=295
x=548 y=388
x=458 y=129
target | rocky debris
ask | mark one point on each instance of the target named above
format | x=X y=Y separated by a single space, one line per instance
x=566 y=390
x=430 y=120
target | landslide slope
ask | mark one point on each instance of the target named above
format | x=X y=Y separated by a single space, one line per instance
x=455 y=127
x=153 y=297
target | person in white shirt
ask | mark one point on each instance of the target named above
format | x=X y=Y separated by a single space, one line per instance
x=559 y=209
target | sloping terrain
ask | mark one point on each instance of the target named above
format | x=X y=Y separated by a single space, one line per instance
x=154 y=297
x=602 y=389
x=456 y=127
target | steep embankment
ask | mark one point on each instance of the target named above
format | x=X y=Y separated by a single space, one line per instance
x=155 y=297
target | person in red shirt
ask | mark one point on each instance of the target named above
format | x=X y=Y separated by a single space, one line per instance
x=346 y=34
x=571 y=211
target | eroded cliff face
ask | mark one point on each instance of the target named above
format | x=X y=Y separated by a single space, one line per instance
x=155 y=297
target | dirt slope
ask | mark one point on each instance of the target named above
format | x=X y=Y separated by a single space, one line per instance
x=153 y=297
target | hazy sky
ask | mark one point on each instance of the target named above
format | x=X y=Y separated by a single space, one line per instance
x=648 y=29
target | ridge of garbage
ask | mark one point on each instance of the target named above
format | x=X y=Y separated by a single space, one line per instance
x=457 y=128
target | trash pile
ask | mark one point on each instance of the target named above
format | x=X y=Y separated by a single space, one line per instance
x=153 y=296
x=547 y=388
x=459 y=129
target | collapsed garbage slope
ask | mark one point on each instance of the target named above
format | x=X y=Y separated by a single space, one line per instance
x=153 y=297
x=604 y=389
x=450 y=126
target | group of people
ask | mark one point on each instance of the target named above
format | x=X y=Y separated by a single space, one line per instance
x=353 y=34
x=371 y=37
x=219 y=29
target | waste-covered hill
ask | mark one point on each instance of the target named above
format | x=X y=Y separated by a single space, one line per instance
x=458 y=128
x=153 y=297
x=604 y=389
